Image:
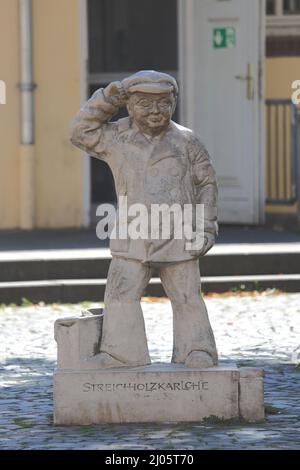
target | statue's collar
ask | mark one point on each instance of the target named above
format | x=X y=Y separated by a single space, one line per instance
x=153 y=140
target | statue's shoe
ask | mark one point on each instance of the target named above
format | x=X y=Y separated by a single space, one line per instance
x=199 y=360
x=103 y=361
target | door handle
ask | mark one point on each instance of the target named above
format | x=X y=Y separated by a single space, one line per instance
x=250 y=82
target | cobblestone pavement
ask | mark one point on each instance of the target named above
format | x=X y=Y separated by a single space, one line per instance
x=261 y=330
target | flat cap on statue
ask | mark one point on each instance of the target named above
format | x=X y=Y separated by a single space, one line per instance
x=150 y=81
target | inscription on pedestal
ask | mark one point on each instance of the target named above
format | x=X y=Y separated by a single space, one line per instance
x=157 y=393
x=145 y=387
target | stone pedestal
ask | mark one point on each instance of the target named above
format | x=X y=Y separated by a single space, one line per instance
x=154 y=393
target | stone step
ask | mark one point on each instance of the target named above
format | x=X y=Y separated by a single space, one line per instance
x=225 y=260
x=78 y=290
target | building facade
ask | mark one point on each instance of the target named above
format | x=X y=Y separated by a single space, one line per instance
x=79 y=45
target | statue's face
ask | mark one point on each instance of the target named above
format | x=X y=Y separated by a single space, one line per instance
x=152 y=112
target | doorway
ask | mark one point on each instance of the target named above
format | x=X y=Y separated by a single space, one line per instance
x=124 y=37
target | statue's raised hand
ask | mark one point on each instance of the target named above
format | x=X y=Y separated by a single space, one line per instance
x=115 y=94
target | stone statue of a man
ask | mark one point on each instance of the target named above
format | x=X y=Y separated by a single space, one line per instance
x=154 y=161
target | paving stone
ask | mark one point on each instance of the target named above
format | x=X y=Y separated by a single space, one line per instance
x=260 y=331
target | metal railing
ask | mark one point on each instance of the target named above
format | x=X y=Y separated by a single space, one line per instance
x=281 y=142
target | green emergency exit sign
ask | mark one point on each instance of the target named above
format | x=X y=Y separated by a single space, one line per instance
x=224 y=38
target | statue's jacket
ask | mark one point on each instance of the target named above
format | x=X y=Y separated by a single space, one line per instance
x=173 y=168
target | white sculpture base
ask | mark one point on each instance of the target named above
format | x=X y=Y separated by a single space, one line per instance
x=154 y=393
x=157 y=393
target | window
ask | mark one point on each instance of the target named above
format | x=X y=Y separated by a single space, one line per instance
x=126 y=36
x=131 y=35
x=282 y=8
x=283 y=18
x=270 y=5
x=291 y=7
